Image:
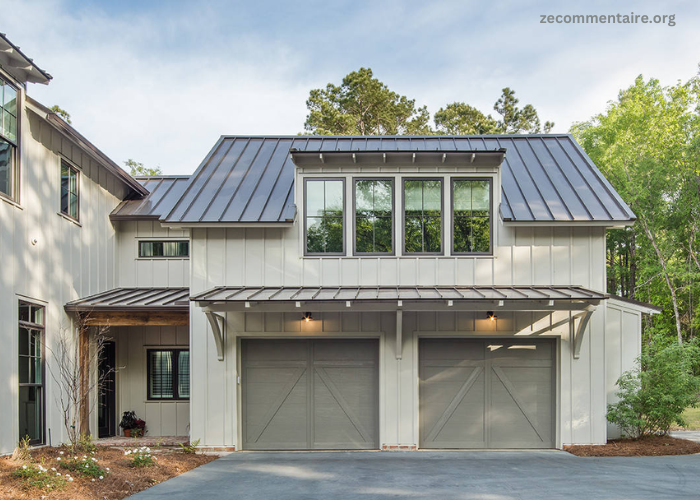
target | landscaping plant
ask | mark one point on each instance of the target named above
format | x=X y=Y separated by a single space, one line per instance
x=190 y=448
x=37 y=476
x=130 y=422
x=653 y=396
x=140 y=457
x=85 y=466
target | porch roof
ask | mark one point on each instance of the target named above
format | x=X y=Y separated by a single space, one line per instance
x=133 y=299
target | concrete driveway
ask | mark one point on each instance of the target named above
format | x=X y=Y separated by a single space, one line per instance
x=436 y=475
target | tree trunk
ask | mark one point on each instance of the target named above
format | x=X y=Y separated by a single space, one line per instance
x=84 y=369
x=633 y=264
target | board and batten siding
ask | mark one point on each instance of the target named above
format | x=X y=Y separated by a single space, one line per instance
x=133 y=271
x=163 y=418
x=270 y=257
x=68 y=261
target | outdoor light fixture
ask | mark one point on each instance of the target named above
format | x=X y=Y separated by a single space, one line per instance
x=490 y=315
x=307 y=317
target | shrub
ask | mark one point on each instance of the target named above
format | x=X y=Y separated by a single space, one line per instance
x=23 y=450
x=85 y=443
x=36 y=476
x=190 y=448
x=652 y=397
x=85 y=466
x=140 y=457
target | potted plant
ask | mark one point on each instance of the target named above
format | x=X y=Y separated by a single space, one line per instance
x=132 y=425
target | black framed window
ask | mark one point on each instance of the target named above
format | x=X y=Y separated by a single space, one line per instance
x=8 y=139
x=323 y=213
x=374 y=216
x=31 y=372
x=70 y=191
x=422 y=216
x=471 y=216
x=167 y=249
x=168 y=374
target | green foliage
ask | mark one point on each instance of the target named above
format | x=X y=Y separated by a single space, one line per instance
x=190 y=448
x=85 y=466
x=363 y=105
x=459 y=118
x=515 y=120
x=61 y=112
x=23 y=450
x=136 y=169
x=86 y=444
x=140 y=457
x=653 y=396
x=36 y=476
x=647 y=144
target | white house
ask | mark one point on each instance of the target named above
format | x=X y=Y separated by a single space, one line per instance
x=318 y=292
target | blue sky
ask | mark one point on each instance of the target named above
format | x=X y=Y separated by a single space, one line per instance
x=160 y=81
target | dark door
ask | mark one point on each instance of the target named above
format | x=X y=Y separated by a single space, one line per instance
x=106 y=407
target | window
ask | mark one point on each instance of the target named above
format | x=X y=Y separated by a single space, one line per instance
x=374 y=216
x=167 y=249
x=169 y=374
x=8 y=139
x=324 y=210
x=31 y=372
x=69 y=191
x=422 y=216
x=471 y=216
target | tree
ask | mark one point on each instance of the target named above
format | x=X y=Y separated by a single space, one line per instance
x=137 y=169
x=61 y=112
x=515 y=120
x=646 y=143
x=362 y=105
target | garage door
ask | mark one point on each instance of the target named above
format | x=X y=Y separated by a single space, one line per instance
x=494 y=393
x=310 y=394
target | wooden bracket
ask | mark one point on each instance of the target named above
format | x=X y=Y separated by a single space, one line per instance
x=581 y=329
x=399 y=334
x=217 y=323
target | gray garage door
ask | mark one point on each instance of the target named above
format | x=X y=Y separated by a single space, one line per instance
x=494 y=393
x=310 y=394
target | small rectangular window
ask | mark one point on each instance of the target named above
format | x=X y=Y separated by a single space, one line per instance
x=471 y=216
x=169 y=374
x=374 y=216
x=69 y=191
x=423 y=216
x=31 y=372
x=8 y=139
x=324 y=212
x=164 y=249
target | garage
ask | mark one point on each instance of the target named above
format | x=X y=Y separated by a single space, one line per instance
x=310 y=394
x=489 y=393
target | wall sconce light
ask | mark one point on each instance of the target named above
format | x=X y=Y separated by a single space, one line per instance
x=307 y=317
x=490 y=315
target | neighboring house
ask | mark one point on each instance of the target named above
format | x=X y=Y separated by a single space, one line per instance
x=322 y=292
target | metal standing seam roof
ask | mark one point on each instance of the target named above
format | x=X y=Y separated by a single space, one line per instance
x=165 y=191
x=544 y=177
x=340 y=294
x=133 y=299
x=16 y=61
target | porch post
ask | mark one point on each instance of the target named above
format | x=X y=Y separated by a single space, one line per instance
x=84 y=372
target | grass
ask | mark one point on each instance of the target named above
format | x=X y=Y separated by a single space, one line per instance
x=692 y=418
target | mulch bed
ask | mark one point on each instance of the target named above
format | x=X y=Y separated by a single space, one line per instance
x=122 y=481
x=651 y=446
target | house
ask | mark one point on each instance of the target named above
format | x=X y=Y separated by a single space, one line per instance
x=300 y=292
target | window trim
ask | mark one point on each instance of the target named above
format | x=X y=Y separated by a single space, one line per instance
x=42 y=328
x=442 y=180
x=393 y=217
x=78 y=181
x=452 y=216
x=162 y=240
x=176 y=368
x=14 y=197
x=305 y=242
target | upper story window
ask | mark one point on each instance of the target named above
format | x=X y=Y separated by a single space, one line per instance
x=324 y=209
x=374 y=216
x=70 y=200
x=422 y=216
x=471 y=216
x=167 y=249
x=8 y=139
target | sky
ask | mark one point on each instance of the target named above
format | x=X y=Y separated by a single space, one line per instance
x=160 y=81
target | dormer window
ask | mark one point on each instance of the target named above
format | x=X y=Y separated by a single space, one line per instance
x=471 y=216
x=8 y=140
x=374 y=216
x=324 y=211
x=422 y=216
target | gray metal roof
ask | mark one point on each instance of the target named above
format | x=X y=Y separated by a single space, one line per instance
x=384 y=293
x=20 y=66
x=165 y=191
x=545 y=177
x=133 y=299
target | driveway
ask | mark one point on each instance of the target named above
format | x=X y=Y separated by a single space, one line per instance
x=484 y=475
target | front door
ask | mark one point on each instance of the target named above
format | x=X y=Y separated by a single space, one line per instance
x=106 y=407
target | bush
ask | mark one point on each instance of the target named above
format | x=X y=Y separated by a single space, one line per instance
x=140 y=457
x=190 y=448
x=36 y=476
x=85 y=466
x=653 y=396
